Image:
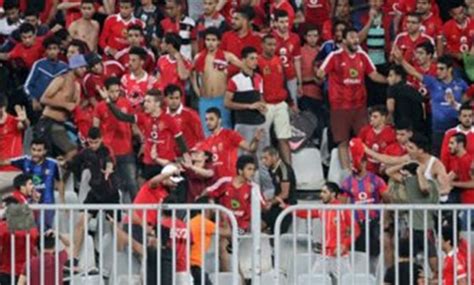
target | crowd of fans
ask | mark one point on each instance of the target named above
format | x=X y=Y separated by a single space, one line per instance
x=150 y=102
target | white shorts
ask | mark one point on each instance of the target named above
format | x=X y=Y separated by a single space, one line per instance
x=279 y=116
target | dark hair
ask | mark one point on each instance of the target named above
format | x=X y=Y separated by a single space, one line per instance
x=156 y=94
x=337 y=23
x=447 y=233
x=427 y=47
x=49 y=241
x=381 y=109
x=21 y=180
x=212 y=31
x=309 y=28
x=9 y=200
x=420 y=141
x=80 y=44
x=415 y=15
x=170 y=89
x=88 y=2
x=268 y=36
x=173 y=39
x=52 y=40
x=348 y=30
x=246 y=11
x=26 y=28
x=8 y=5
x=246 y=51
x=31 y=12
x=244 y=160
x=94 y=133
x=62 y=34
x=332 y=187
x=131 y=2
x=411 y=167
x=271 y=150
x=135 y=28
x=39 y=141
x=112 y=81
x=215 y=111
x=138 y=51
x=404 y=247
x=460 y=138
x=398 y=70
x=446 y=60
x=403 y=124
x=3 y=100
x=280 y=14
x=169 y=200
x=465 y=106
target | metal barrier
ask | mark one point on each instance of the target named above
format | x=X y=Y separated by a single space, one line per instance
x=128 y=253
x=385 y=231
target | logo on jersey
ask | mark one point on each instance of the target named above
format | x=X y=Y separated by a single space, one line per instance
x=353 y=73
x=235 y=204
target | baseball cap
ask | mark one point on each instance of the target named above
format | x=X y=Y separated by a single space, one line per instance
x=77 y=61
x=172 y=169
x=93 y=59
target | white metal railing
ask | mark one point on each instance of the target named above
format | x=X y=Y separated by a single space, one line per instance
x=130 y=266
x=299 y=259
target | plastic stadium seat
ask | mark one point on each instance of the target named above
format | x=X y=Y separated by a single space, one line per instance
x=134 y=280
x=358 y=279
x=89 y=280
x=245 y=255
x=313 y=279
x=269 y=278
x=122 y=266
x=303 y=264
x=308 y=169
x=360 y=262
x=223 y=278
x=336 y=173
x=287 y=248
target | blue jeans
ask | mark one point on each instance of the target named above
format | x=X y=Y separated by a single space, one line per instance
x=127 y=171
x=218 y=102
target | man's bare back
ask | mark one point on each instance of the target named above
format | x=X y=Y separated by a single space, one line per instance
x=61 y=97
x=87 y=31
x=214 y=77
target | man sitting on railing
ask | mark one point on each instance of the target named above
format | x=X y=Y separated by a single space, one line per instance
x=341 y=230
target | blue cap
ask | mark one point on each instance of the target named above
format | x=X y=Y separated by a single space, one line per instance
x=77 y=61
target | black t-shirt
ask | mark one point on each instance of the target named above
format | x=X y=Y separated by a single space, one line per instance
x=408 y=105
x=403 y=273
x=284 y=173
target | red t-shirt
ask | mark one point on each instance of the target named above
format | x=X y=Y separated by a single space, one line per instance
x=11 y=141
x=117 y=134
x=462 y=166
x=445 y=156
x=49 y=268
x=136 y=88
x=188 y=120
x=168 y=69
x=346 y=77
x=228 y=10
x=114 y=32
x=233 y=43
x=238 y=200
x=123 y=57
x=395 y=149
x=459 y=39
x=310 y=89
x=91 y=81
x=179 y=232
x=407 y=45
x=377 y=141
x=408 y=6
x=148 y=195
x=288 y=49
x=326 y=33
x=20 y=248
x=274 y=89
x=316 y=12
x=448 y=268
x=161 y=131
x=21 y=198
x=27 y=55
x=224 y=147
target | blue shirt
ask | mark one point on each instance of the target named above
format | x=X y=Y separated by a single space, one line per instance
x=41 y=75
x=444 y=116
x=44 y=175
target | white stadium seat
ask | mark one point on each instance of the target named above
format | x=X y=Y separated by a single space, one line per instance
x=308 y=169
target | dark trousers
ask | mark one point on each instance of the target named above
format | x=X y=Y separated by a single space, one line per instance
x=374 y=238
x=6 y=279
x=196 y=271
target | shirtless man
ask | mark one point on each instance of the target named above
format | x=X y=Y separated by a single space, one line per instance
x=60 y=99
x=85 y=28
x=210 y=76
